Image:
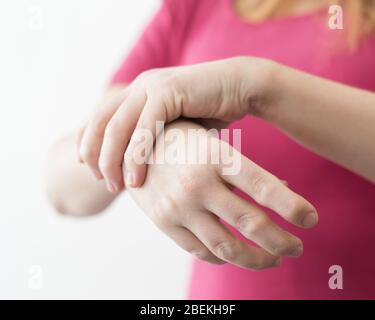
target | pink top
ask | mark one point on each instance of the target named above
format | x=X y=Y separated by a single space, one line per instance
x=192 y=31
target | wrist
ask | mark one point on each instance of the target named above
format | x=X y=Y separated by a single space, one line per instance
x=260 y=79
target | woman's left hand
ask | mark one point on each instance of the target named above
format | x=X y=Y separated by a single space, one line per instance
x=221 y=90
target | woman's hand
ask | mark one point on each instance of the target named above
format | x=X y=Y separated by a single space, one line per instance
x=220 y=90
x=186 y=201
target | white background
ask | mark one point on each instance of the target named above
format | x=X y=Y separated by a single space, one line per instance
x=55 y=60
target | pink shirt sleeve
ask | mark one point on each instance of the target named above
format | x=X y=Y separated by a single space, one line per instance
x=160 y=43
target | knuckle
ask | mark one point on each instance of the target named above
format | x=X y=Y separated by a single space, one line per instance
x=146 y=74
x=88 y=155
x=226 y=250
x=105 y=165
x=97 y=124
x=190 y=184
x=164 y=212
x=261 y=188
x=295 y=209
x=171 y=81
x=187 y=218
x=129 y=158
x=175 y=93
x=201 y=254
x=113 y=128
x=160 y=219
x=179 y=99
x=251 y=225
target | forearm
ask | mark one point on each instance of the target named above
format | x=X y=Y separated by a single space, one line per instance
x=71 y=188
x=333 y=120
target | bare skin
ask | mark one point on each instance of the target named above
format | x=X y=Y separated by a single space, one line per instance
x=293 y=105
x=334 y=120
x=186 y=200
x=309 y=108
x=187 y=209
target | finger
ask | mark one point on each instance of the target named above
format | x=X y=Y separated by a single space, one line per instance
x=92 y=137
x=116 y=138
x=254 y=224
x=226 y=246
x=151 y=120
x=190 y=243
x=79 y=136
x=270 y=192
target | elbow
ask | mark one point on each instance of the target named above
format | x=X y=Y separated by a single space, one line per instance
x=72 y=210
x=59 y=206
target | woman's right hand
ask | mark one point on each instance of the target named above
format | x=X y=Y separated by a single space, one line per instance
x=187 y=201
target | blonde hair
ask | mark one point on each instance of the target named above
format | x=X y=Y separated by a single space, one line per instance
x=360 y=14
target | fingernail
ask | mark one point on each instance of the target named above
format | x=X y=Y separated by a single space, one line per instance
x=129 y=179
x=310 y=220
x=112 y=187
x=297 y=251
x=98 y=175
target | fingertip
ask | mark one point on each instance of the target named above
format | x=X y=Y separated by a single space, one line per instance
x=98 y=174
x=132 y=182
x=141 y=175
x=135 y=176
x=310 y=220
x=271 y=263
x=129 y=179
x=112 y=187
x=79 y=155
x=297 y=251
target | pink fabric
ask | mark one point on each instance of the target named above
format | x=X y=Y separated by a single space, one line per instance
x=192 y=31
